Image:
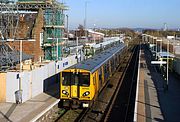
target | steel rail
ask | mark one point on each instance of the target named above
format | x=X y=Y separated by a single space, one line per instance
x=110 y=106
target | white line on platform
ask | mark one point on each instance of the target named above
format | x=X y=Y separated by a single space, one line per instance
x=137 y=89
x=43 y=112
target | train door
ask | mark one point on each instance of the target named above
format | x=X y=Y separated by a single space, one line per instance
x=110 y=70
x=94 y=83
x=102 y=70
x=112 y=65
x=100 y=77
x=74 y=88
x=105 y=71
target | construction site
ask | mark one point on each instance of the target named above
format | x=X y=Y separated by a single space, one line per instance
x=34 y=27
x=31 y=41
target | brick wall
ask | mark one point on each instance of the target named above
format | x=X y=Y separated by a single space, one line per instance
x=30 y=26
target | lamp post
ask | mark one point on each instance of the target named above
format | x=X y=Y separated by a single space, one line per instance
x=161 y=46
x=167 y=71
x=57 y=57
x=20 y=70
x=155 y=38
x=77 y=55
x=67 y=28
x=174 y=44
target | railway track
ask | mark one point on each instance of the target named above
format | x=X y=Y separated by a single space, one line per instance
x=98 y=112
x=122 y=106
x=61 y=113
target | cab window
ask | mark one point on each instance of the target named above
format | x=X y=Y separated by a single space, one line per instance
x=81 y=79
x=84 y=79
x=66 y=78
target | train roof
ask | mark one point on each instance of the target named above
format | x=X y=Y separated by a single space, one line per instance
x=93 y=63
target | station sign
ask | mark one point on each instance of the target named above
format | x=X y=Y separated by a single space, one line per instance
x=159 y=40
x=158 y=62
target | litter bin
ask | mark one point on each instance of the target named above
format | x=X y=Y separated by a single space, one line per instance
x=18 y=96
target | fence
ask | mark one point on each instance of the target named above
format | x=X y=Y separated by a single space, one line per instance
x=33 y=81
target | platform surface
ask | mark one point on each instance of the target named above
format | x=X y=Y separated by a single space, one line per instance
x=28 y=110
x=154 y=102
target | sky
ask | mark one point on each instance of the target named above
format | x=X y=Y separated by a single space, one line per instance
x=124 y=13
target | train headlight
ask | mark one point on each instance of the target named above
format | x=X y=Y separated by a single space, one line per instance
x=86 y=93
x=65 y=92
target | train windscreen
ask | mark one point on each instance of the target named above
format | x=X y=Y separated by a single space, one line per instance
x=66 y=76
x=81 y=79
x=84 y=79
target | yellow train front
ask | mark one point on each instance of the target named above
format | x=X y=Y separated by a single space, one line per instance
x=81 y=83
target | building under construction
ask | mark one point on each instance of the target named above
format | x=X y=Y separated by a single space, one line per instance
x=34 y=27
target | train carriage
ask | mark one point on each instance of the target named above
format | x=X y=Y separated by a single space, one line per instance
x=81 y=83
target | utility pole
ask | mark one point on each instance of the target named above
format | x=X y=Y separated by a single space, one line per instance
x=57 y=57
x=94 y=35
x=67 y=26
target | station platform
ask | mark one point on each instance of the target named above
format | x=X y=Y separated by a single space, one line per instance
x=153 y=102
x=31 y=110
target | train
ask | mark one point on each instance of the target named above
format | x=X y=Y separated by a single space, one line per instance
x=81 y=83
x=91 y=49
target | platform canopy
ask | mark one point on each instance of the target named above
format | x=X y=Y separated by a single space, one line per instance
x=165 y=54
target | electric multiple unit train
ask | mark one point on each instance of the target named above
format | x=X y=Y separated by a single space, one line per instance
x=81 y=83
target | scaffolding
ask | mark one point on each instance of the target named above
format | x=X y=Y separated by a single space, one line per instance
x=53 y=25
x=53 y=33
x=10 y=15
x=9 y=18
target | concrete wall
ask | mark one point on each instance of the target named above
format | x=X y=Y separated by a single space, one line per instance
x=2 y=87
x=12 y=85
x=37 y=81
x=33 y=81
x=26 y=86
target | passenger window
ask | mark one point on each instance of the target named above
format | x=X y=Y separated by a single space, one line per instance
x=100 y=74
x=105 y=69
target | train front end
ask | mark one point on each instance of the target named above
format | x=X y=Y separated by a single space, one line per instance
x=75 y=88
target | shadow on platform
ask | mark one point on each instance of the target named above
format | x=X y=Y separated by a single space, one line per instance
x=168 y=99
x=51 y=86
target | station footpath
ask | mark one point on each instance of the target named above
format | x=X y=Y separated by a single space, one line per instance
x=153 y=102
x=31 y=110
